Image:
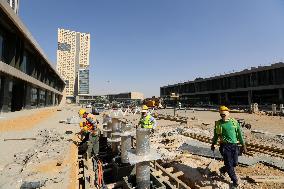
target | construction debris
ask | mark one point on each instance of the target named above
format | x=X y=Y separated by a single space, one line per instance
x=73 y=120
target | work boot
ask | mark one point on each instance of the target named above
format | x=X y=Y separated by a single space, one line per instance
x=235 y=186
x=223 y=171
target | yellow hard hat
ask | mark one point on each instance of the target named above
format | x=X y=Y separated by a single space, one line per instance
x=81 y=112
x=223 y=108
x=85 y=128
x=144 y=107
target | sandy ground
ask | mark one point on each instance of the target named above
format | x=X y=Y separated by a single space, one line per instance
x=26 y=121
x=51 y=159
x=272 y=124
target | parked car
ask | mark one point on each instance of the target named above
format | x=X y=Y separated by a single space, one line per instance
x=97 y=108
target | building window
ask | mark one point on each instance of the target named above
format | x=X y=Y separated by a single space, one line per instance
x=24 y=63
x=1 y=47
x=41 y=98
x=10 y=90
x=33 y=97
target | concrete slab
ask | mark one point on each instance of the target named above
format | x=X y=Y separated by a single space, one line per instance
x=199 y=148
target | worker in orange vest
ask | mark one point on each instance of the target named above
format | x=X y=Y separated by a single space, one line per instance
x=91 y=132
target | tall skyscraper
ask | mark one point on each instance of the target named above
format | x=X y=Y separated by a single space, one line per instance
x=83 y=82
x=15 y=5
x=72 y=54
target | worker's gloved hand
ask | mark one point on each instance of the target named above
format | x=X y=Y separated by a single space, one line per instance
x=212 y=147
x=244 y=149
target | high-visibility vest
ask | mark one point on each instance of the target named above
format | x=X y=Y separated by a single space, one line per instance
x=146 y=123
x=218 y=126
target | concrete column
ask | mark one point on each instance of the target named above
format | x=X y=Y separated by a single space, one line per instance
x=37 y=101
x=281 y=98
x=227 y=98
x=7 y=94
x=53 y=99
x=249 y=97
x=274 y=109
x=219 y=98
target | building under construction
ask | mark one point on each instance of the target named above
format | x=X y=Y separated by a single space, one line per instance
x=263 y=85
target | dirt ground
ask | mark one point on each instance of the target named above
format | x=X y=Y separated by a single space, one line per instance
x=51 y=159
x=24 y=122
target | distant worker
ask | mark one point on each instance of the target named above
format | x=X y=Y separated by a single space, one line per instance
x=147 y=121
x=179 y=105
x=230 y=134
x=90 y=132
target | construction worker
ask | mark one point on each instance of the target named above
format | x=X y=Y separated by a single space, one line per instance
x=230 y=134
x=147 y=121
x=91 y=133
x=179 y=105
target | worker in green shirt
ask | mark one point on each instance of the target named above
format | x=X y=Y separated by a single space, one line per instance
x=230 y=134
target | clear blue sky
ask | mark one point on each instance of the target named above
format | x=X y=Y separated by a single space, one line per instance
x=140 y=45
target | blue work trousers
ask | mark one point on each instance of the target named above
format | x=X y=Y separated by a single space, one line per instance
x=230 y=155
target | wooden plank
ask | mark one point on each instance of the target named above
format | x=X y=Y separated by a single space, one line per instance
x=177 y=174
x=261 y=179
x=157 y=173
x=180 y=183
x=170 y=169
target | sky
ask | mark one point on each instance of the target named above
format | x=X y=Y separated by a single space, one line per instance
x=141 y=45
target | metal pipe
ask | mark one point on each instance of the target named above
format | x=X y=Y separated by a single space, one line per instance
x=143 y=175
x=142 y=141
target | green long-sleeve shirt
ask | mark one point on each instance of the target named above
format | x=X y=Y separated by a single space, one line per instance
x=231 y=133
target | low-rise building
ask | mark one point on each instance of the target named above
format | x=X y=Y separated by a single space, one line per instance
x=263 y=85
x=121 y=97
